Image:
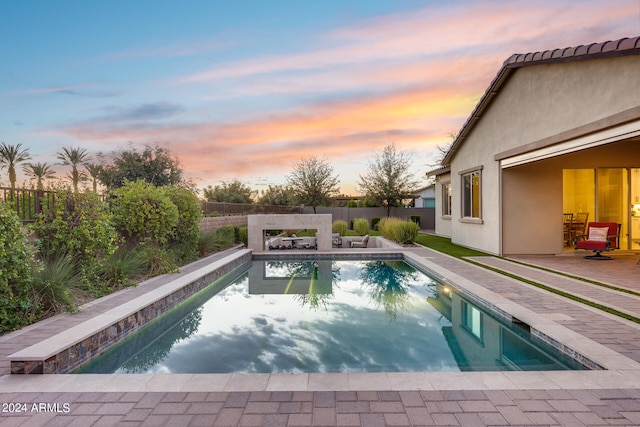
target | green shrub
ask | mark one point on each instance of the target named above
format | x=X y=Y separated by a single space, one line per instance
x=243 y=234
x=374 y=222
x=403 y=232
x=15 y=273
x=159 y=260
x=339 y=226
x=416 y=219
x=406 y=232
x=144 y=213
x=386 y=224
x=361 y=226
x=222 y=238
x=78 y=225
x=187 y=231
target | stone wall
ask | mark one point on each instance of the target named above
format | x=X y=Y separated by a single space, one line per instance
x=209 y=224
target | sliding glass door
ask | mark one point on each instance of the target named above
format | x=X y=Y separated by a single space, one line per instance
x=608 y=195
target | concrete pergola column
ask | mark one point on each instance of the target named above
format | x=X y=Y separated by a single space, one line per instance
x=257 y=225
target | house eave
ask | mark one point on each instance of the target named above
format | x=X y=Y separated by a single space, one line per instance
x=609 y=49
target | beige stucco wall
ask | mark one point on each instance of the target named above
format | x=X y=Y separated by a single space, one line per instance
x=537 y=102
x=443 y=223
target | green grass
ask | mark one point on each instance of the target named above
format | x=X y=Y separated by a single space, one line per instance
x=444 y=245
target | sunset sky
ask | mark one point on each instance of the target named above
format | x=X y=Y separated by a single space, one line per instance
x=245 y=89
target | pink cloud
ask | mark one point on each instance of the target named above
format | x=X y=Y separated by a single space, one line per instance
x=408 y=78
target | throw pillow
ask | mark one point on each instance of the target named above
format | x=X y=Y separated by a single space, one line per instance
x=598 y=234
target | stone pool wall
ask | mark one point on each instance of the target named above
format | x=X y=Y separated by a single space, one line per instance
x=72 y=357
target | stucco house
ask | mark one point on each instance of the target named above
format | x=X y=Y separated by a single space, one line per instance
x=555 y=132
x=426 y=197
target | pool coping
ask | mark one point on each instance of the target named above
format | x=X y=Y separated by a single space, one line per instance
x=62 y=353
x=620 y=371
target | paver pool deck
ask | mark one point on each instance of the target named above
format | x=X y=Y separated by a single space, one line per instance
x=603 y=397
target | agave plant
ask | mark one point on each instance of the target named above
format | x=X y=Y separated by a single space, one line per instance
x=56 y=282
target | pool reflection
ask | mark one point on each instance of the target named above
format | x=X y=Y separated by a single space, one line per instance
x=317 y=316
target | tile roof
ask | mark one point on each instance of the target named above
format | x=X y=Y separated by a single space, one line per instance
x=591 y=51
x=613 y=48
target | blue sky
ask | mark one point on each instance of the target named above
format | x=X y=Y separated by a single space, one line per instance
x=245 y=89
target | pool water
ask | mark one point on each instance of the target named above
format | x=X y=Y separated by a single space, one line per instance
x=328 y=316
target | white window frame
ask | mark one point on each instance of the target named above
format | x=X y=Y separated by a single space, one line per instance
x=468 y=204
x=446 y=199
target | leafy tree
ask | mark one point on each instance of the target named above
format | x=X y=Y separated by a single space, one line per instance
x=39 y=172
x=74 y=157
x=280 y=195
x=388 y=180
x=313 y=182
x=10 y=156
x=154 y=164
x=229 y=192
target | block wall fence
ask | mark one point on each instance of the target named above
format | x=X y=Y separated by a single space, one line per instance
x=213 y=223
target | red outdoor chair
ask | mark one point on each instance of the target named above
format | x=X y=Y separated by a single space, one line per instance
x=600 y=237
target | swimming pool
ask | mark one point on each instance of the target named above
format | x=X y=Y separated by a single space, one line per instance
x=329 y=316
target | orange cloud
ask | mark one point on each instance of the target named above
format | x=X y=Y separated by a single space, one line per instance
x=407 y=78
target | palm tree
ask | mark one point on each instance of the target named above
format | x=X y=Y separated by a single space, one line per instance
x=74 y=157
x=10 y=156
x=94 y=172
x=40 y=172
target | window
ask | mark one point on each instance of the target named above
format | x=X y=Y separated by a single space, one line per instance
x=446 y=199
x=472 y=320
x=471 y=182
x=428 y=203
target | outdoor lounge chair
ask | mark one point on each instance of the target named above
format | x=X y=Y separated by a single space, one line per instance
x=360 y=243
x=600 y=237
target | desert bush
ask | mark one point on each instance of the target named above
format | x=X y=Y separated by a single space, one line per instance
x=406 y=232
x=144 y=213
x=126 y=264
x=159 y=260
x=78 y=225
x=339 y=226
x=361 y=226
x=243 y=234
x=222 y=238
x=57 y=280
x=403 y=232
x=374 y=222
x=15 y=272
x=187 y=231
